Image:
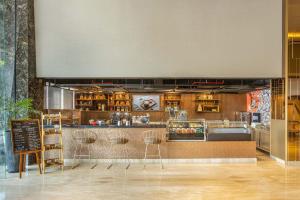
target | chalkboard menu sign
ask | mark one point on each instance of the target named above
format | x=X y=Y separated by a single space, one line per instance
x=26 y=135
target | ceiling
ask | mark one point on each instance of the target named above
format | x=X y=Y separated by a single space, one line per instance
x=294 y=15
x=166 y=85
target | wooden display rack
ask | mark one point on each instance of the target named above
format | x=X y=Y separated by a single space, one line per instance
x=207 y=103
x=120 y=102
x=52 y=142
x=172 y=100
x=92 y=100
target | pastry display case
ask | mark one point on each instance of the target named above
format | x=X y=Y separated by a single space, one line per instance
x=186 y=130
x=218 y=130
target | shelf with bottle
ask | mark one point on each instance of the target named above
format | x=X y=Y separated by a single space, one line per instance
x=172 y=96
x=207 y=103
x=172 y=100
x=121 y=96
x=91 y=100
x=120 y=102
x=121 y=109
x=90 y=96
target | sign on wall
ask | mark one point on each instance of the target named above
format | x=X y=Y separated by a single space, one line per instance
x=146 y=102
x=259 y=101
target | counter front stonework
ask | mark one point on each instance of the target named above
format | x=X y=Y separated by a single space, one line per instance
x=169 y=149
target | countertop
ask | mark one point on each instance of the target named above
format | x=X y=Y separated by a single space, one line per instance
x=112 y=126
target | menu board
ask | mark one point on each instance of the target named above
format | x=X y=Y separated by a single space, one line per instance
x=26 y=135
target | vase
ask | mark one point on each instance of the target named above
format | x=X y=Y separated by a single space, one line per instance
x=12 y=160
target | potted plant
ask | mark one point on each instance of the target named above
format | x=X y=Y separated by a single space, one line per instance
x=11 y=109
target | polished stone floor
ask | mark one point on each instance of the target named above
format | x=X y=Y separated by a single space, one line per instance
x=294 y=147
x=264 y=180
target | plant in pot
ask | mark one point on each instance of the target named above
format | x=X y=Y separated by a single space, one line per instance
x=11 y=110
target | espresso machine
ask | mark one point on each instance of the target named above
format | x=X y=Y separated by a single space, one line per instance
x=121 y=119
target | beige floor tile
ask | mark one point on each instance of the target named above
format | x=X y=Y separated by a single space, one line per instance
x=264 y=180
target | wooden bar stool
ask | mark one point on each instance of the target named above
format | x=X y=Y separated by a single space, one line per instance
x=152 y=138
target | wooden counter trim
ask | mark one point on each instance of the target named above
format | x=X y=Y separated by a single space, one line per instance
x=216 y=149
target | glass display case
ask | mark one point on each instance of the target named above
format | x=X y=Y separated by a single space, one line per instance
x=186 y=130
x=218 y=130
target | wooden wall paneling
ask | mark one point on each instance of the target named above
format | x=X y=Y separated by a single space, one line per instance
x=230 y=103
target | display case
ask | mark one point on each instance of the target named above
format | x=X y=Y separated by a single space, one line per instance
x=226 y=130
x=186 y=130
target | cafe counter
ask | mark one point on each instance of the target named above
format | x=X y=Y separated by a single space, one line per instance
x=236 y=151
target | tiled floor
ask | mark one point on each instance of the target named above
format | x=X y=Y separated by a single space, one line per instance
x=264 y=180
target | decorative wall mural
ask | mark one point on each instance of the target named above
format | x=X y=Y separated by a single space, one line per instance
x=146 y=102
x=260 y=101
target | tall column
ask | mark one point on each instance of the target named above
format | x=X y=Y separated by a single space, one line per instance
x=27 y=85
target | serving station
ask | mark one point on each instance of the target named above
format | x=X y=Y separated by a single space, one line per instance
x=187 y=125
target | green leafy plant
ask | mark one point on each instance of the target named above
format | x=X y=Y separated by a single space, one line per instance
x=11 y=110
x=2 y=63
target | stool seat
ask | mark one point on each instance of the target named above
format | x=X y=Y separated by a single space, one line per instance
x=152 y=140
x=82 y=140
x=118 y=140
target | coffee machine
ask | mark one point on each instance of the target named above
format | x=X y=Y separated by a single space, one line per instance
x=121 y=119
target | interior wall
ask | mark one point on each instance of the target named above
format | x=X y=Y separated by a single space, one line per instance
x=230 y=103
x=278 y=138
x=279 y=120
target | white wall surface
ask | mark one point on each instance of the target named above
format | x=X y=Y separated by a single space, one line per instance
x=159 y=38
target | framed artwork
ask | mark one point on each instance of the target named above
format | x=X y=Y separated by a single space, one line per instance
x=146 y=102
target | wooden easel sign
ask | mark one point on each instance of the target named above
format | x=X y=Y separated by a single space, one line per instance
x=26 y=139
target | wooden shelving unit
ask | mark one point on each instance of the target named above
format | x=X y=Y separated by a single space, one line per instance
x=91 y=101
x=52 y=142
x=120 y=102
x=207 y=104
x=172 y=100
